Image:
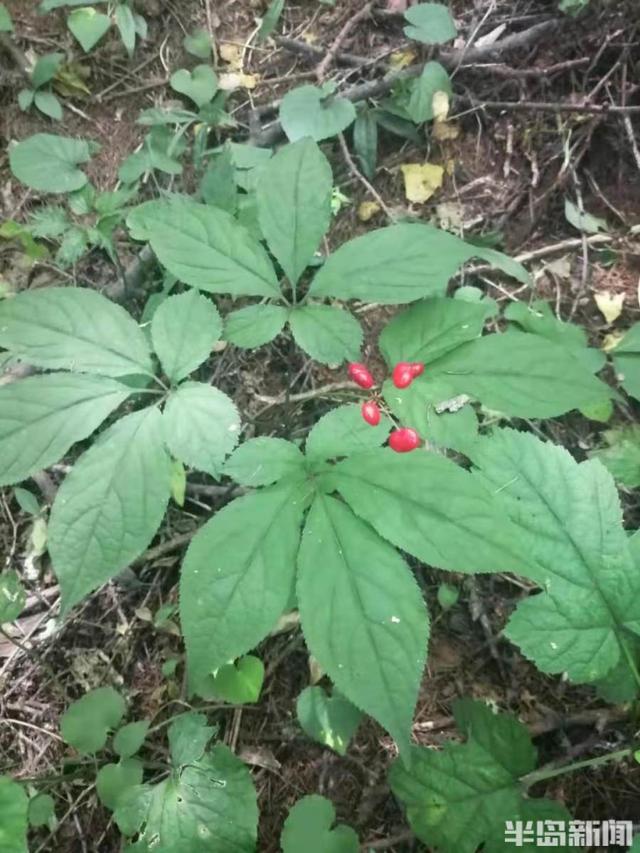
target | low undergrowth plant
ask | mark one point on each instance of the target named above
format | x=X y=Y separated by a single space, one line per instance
x=417 y=469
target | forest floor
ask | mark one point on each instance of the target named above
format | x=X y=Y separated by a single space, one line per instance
x=510 y=170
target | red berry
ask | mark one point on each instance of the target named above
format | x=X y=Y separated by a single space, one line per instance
x=403 y=440
x=403 y=374
x=360 y=374
x=417 y=368
x=371 y=412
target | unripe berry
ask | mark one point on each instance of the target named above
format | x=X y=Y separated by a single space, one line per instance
x=404 y=440
x=371 y=412
x=360 y=374
x=403 y=374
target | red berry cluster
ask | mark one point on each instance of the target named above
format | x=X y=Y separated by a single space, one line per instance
x=401 y=440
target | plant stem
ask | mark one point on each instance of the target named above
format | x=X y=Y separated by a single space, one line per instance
x=630 y=660
x=539 y=775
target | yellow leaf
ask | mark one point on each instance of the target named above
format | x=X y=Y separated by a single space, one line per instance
x=443 y=130
x=612 y=340
x=609 y=304
x=401 y=58
x=421 y=180
x=367 y=210
x=315 y=670
x=232 y=54
x=450 y=166
x=237 y=80
x=440 y=106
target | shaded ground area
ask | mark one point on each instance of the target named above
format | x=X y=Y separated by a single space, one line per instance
x=509 y=170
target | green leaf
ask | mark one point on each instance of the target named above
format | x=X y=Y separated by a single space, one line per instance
x=308 y=827
x=459 y=798
x=310 y=111
x=518 y=374
x=209 y=806
x=342 y=431
x=240 y=682
x=49 y=163
x=72 y=328
x=50 y=221
x=48 y=5
x=431 y=23
x=329 y=335
x=431 y=508
x=370 y=636
x=183 y=331
x=42 y=416
x=330 y=720
x=198 y=44
x=126 y=24
x=401 y=263
x=199 y=85
x=178 y=482
x=25 y=98
x=45 y=69
x=6 y=24
x=294 y=204
x=87 y=721
x=42 y=810
x=27 y=501
x=12 y=596
x=238 y=576
x=431 y=329
x=201 y=426
x=626 y=360
x=88 y=26
x=434 y=78
x=14 y=804
x=73 y=246
x=189 y=735
x=270 y=20
x=114 y=780
x=569 y=520
x=205 y=247
x=218 y=184
x=622 y=457
x=365 y=141
x=109 y=507
x=539 y=319
x=129 y=738
x=254 y=325
x=263 y=461
x=583 y=221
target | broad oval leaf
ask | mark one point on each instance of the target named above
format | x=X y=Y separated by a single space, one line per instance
x=12 y=596
x=330 y=720
x=329 y=335
x=201 y=426
x=520 y=374
x=87 y=721
x=14 y=806
x=626 y=360
x=183 y=331
x=458 y=798
x=88 y=26
x=434 y=79
x=342 y=431
x=42 y=416
x=370 y=634
x=188 y=735
x=254 y=325
x=431 y=508
x=294 y=204
x=431 y=23
x=199 y=85
x=238 y=576
x=126 y=23
x=401 y=263
x=129 y=738
x=111 y=504
x=48 y=104
x=309 y=827
x=208 y=807
x=49 y=163
x=205 y=247
x=310 y=111
x=263 y=461
x=76 y=329
x=45 y=69
x=569 y=520
x=113 y=780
